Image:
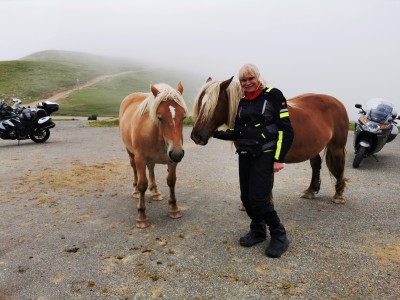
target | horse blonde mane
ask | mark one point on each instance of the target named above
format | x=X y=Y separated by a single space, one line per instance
x=210 y=91
x=151 y=103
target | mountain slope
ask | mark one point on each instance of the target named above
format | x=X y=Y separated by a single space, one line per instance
x=43 y=74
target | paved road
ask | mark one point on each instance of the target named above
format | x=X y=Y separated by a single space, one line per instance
x=67 y=227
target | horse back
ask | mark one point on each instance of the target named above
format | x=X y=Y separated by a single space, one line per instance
x=317 y=120
x=320 y=109
x=131 y=124
x=130 y=103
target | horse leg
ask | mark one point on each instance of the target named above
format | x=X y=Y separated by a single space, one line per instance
x=152 y=184
x=335 y=159
x=315 y=183
x=173 y=209
x=135 y=193
x=142 y=184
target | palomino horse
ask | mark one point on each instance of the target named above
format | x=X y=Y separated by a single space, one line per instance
x=151 y=126
x=319 y=122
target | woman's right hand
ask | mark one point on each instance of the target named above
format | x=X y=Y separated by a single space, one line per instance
x=278 y=166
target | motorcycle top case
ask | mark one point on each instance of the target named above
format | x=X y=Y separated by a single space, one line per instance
x=48 y=106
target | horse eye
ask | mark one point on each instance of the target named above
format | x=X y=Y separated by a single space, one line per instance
x=159 y=117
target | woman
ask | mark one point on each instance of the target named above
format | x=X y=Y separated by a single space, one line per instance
x=263 y=135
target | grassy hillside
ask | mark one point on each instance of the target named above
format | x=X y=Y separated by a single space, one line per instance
x=105 y=98
x=43 y=74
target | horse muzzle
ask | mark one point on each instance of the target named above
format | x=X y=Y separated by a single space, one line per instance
x=176 y=155
x=200 y=137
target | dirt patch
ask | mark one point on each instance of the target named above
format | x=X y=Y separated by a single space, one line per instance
x=79 y=175
x=387 y=254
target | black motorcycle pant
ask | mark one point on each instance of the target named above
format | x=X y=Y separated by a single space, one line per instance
x=256 y=181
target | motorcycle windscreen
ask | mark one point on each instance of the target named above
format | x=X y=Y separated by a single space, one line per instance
x=380 y=111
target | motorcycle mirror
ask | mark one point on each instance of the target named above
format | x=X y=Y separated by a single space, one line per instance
x=358 y=105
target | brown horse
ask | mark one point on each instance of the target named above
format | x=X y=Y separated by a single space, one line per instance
x=319 y=122
x=151 y=126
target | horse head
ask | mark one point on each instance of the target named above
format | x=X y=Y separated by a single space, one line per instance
x=212 y=108
x=170 y=114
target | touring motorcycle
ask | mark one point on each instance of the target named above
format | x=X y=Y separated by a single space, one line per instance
x=26 y=123
x=375 y=127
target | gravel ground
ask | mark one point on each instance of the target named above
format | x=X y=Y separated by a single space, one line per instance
x=67 y=226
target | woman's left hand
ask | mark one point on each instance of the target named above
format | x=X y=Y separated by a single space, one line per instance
x=278 y=166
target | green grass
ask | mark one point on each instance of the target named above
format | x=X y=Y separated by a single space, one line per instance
x=35 y=80
x=43 y=74
x=104 y=123
x=104 y=99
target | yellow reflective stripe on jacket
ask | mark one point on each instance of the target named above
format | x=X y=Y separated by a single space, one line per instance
x=283 y=115
x=278 y=145
x=269 y=89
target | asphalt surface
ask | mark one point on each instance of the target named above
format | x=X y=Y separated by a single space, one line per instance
x=67 y=226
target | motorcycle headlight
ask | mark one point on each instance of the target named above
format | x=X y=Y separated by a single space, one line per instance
x=371 y=126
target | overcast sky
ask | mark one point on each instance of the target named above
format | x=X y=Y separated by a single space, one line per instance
x=349 y=49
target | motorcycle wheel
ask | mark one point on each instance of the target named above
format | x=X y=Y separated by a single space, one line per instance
x=359 y=156
x=40 y=135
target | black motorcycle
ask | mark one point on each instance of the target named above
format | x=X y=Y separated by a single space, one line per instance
x=375 y=127
x=30 y=123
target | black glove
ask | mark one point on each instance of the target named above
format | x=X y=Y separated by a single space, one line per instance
x=228 y=135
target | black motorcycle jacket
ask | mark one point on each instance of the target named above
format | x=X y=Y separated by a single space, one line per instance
x=266 y=120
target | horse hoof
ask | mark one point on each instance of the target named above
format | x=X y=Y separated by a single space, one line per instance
x=175 y=214
x=157 y=197
x=338 y=200
x=135 y=195
x=142 y=223
x=308 y=196
x=241 y=207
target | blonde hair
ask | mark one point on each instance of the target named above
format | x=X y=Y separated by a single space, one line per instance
x=151 y=103
x=251 y=68
x=208 y=96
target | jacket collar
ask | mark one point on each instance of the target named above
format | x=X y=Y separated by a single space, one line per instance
x=253 y=95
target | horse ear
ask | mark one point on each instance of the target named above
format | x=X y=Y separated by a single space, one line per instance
x=180 y=87
x=154 y=90
x=224 y=84
x=209 y=79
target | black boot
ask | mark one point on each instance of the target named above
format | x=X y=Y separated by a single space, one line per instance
x=257 y=234
x=279 y=242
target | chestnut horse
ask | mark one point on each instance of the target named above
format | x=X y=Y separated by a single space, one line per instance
x=319 y=122
x=151 y=126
